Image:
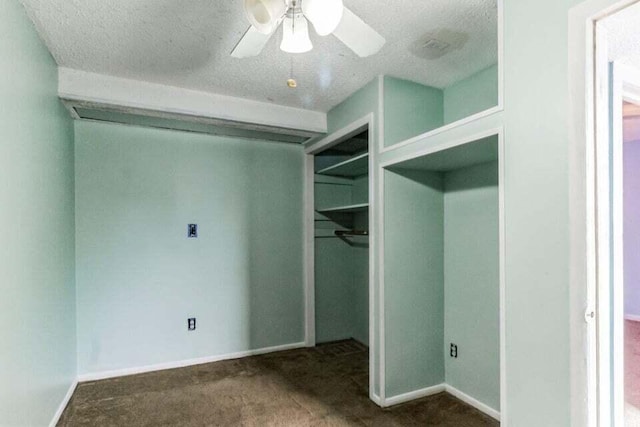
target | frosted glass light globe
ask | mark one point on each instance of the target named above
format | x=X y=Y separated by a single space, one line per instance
x=295 y=35
x=325 y=15
x=265 y=15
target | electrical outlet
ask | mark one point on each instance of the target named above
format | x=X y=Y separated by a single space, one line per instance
x=191 y=324
x=453 y=351
x=192 y=231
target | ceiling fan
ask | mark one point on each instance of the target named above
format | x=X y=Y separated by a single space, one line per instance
x=327 y=17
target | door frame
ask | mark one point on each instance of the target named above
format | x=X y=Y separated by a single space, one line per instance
x=619 y=83
x=589 y=125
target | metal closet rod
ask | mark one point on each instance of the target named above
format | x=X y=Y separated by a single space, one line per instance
x=343 y=233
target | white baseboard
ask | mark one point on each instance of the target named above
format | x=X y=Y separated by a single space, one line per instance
x=632 y=317
x=63 y=404
x=376 y=399
x=473 y=402
x=94 y=376
x=439 y=388
x=413 y=395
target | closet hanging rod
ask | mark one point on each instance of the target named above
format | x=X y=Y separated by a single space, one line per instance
x=345 y=233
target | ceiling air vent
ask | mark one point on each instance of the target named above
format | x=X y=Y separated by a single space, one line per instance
x=435 y=45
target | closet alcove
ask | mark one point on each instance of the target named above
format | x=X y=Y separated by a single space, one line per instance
x=442 y=281
x=341 y=204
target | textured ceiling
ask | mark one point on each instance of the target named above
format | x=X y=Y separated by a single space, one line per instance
x=186 y=43
x=623 y=35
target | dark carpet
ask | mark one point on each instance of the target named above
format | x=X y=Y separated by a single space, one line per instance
x=322 y=386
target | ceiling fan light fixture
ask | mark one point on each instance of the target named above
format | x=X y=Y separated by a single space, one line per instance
x=328 y=17
x=325 y=15
x=265 y=15
x=295 y=35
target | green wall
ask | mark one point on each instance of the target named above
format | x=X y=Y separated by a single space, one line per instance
x=139 y=278
x=537 y=215
x=334 y=279
x=341 y=270
x=471 y=95
x=37 y=306
x=334 y=290
x=442 y=281
x=471 y=275
x=414 y=280
x=355 y=107
x=410 y=109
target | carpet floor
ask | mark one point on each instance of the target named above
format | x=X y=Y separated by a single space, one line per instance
x=322 y=386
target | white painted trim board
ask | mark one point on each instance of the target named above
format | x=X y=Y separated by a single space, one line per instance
x=442 y=129
x=63 y=404
x=503 y=271
x=440 y=388
x=413 y=395
x=373 y=203
x=378 y=259
x=376 y=399
x=309 y=251
x=441 y=147
x=341 y=135
x=94 y=376
x=473 y=402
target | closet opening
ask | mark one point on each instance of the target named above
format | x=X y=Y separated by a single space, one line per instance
x=339 y=316
x=443 y=274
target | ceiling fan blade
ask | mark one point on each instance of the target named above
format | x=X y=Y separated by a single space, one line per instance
x=251 y=44
x=358 y=36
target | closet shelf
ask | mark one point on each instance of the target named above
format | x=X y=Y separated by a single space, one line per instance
x=354 y=167
x=345 y=209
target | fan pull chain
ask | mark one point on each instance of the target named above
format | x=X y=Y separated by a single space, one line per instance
x=291 y=82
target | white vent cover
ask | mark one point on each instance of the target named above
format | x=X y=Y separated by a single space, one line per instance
x=436 y=44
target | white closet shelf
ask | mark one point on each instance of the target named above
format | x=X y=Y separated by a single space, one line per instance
x=354 y=167
x=345 y=209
